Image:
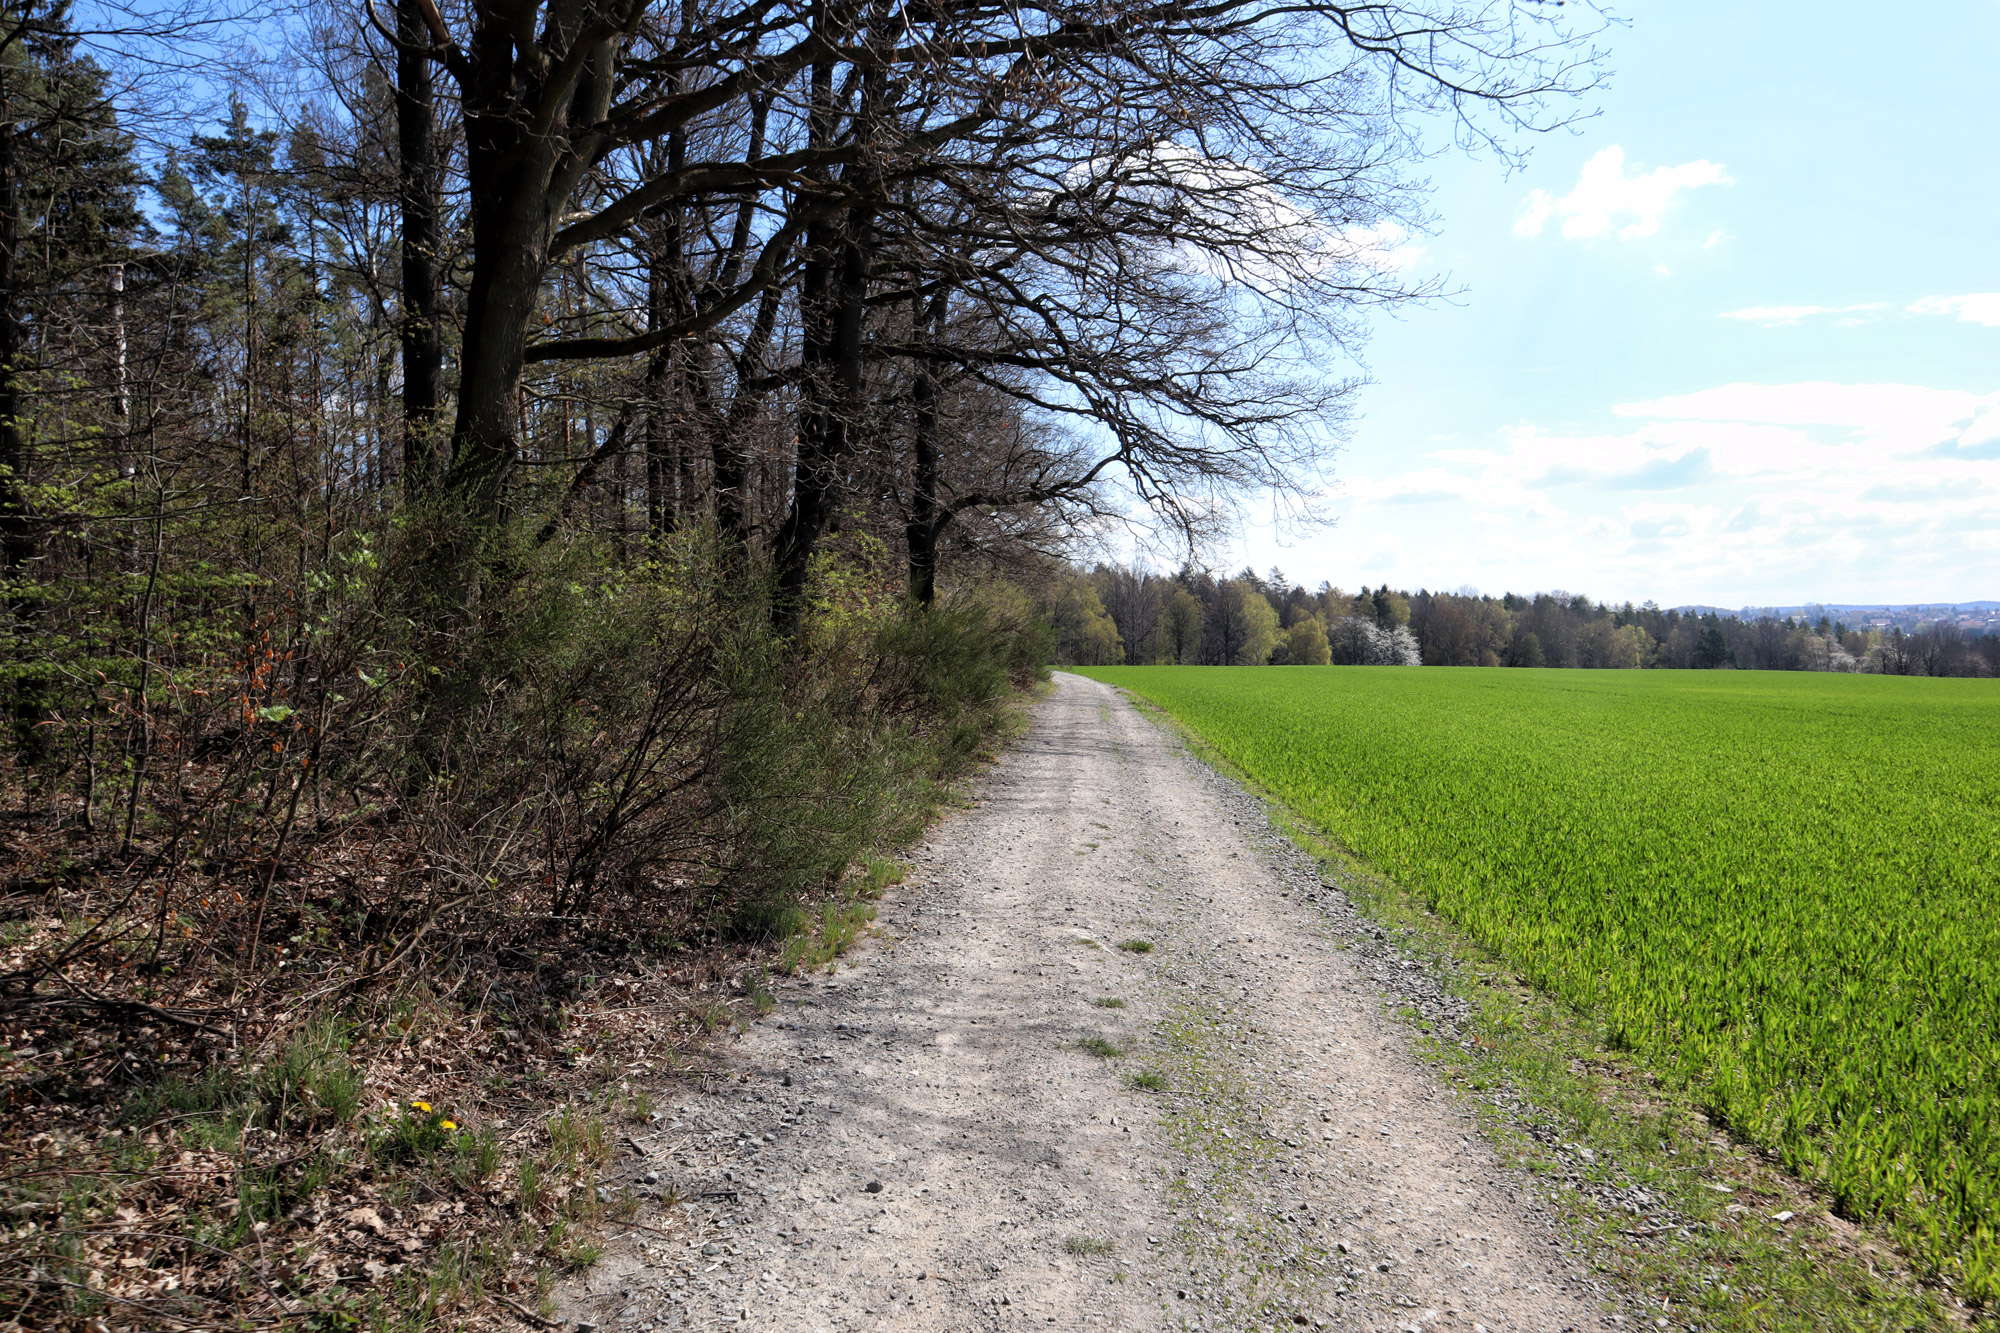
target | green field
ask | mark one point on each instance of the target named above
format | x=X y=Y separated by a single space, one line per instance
x=1782 y=891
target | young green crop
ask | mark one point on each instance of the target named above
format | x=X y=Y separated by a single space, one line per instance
x=1781 y=890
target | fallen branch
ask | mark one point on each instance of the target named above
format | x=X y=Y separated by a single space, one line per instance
x=83 y=999
x=526 y=1313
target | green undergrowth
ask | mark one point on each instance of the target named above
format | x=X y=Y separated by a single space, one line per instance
x=401 y=1122
x=1587 y=1123
x=343 y=1199
x=813 y=940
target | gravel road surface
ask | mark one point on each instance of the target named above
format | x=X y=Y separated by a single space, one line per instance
x=957 y=1132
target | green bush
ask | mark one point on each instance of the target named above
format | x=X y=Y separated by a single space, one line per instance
x=820 y=764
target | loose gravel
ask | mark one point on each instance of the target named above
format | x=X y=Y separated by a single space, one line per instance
x=953 y=1132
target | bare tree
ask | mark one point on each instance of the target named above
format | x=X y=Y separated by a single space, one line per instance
x=1144 y=210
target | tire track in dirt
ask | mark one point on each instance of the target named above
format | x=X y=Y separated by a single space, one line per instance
x=922 y=1143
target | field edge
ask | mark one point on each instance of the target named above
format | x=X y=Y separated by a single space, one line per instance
x=1726 y=1238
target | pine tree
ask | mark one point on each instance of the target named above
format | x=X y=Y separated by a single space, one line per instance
x=1712 y=649
x=68 y=219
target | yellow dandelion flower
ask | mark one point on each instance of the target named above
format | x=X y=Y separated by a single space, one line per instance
x=447 y=1124
x=425 y=1107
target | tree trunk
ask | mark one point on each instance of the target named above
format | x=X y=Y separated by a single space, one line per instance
x=923 y=528
x=121 y=396
x=509 y=258
x=523 y=162
x=833 y=299
x=662 y=383
x=18 y=547
x=660 y=506
x=731 y=480
x=927 y=515
x=416 y=186
x=17 y=543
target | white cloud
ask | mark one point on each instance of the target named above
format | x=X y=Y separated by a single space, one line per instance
x=1736 y=493
x=1973 y=307
x=1424 y=486
x=1911 y=414
x=1247 y=228
x=1605 y=196
x=1984 y=428
x=1771 y=316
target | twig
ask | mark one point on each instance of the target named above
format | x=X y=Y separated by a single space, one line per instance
x=278 y=850
x=526 y=1313
x=145 y=710
x=152 y=1308
x=83 y=999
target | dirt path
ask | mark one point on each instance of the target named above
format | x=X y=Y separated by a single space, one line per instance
x=922 y=1143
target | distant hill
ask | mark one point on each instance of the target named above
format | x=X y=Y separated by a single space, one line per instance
x=1907 y=614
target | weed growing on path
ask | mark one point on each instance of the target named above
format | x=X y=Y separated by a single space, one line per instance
x=712 y=1016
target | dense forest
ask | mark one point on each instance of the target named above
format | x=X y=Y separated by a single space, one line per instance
x=1114 y=615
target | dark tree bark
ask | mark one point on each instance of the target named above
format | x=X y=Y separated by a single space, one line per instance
x=921 y=534
x=417 y=176
x=731 y=468
x=833 y=296
x=663 y=501
x=529 y=105
x=833 y=310
x=18 y=547
x=17 y=539
x=927 y=514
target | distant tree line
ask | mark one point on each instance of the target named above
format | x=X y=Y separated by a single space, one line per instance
x=1114 y=614
x=1117 y=615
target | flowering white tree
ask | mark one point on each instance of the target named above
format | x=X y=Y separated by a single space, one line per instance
x=1355 y=641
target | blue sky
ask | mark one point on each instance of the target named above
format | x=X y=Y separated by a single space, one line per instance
x=1735 y=340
